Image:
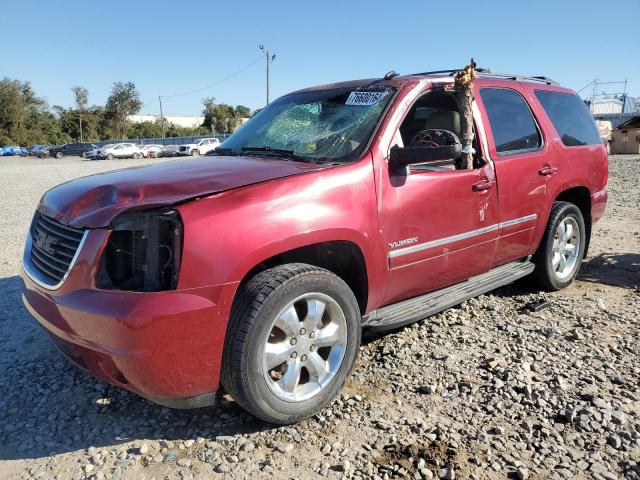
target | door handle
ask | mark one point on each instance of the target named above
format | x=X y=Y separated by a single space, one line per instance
x=546 y=171
x=483 y=185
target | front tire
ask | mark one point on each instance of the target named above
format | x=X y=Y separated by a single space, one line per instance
x=59 y=155
x=561 y=251
x=195 y=152
x=110 y=156
x=292 y=338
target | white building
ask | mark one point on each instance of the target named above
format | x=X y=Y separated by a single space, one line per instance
x=187 y=121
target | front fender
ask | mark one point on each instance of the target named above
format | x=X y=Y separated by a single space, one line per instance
x=227 y=235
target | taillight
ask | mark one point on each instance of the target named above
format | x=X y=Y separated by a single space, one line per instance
x=142 y=253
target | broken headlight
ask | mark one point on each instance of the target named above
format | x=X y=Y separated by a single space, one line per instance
x=142 y=253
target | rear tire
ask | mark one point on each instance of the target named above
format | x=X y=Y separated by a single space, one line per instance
x=291 y=342
x=561 y=250
x=136 y=156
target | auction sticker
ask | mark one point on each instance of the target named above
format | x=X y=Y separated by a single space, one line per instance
x=364 y=98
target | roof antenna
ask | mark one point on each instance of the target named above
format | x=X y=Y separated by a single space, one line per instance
x=390 y=75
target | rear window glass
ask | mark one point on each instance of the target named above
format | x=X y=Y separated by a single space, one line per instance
x=570 y=117
x=512 y=124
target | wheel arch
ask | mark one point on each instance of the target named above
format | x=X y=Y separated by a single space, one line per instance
x=580 y=196
x=344 y=258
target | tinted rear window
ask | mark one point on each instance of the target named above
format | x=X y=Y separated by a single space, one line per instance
x=512 y=123
x=570 y=117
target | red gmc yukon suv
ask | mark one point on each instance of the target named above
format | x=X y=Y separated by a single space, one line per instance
x=336 y=208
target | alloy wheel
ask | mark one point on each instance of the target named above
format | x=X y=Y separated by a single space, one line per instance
x=305 y=347
x=566 y=248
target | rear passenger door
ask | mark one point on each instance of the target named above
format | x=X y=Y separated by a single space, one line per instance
x=523 y=168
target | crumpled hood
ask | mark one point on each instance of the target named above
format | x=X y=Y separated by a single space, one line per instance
x=94 y=201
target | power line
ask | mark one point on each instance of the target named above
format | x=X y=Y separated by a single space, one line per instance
x=148 y=104
x=229 y=77
x=586 y=86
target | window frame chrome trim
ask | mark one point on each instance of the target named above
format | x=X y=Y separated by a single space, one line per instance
x=35 y=275
x=460 y=236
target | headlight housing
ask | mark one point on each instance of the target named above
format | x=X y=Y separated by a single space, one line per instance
x=143 y=252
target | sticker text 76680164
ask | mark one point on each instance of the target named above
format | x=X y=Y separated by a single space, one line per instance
x=364 y=98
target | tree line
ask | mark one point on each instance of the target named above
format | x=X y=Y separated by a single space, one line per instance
x=26 y=119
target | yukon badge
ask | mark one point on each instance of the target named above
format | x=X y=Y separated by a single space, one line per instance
x=46 y=242
x=402 y=243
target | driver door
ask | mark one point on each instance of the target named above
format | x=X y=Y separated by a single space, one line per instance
x=440 y=224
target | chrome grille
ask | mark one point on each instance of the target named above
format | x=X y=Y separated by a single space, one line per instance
x=53 y=248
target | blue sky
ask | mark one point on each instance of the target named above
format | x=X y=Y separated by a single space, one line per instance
x=172 y=47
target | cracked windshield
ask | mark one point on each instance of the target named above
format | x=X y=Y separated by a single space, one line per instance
x=332 y=125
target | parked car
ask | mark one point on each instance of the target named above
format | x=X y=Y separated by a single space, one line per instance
x=13 y=150
x=151 y=150
x=93 y=154
x=201 y=147
x=40 y=151
x=36 y=148
x=119 y=150
x=338 y=208
x=168 y=151
x=72 y=149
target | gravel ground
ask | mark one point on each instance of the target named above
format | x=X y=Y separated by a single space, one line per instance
x=484 y=390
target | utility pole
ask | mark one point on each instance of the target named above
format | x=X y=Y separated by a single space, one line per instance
x=270 y=59
x=81 y=140
x=161 y=116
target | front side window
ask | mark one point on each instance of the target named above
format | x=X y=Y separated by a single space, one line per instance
x=324 y=125
x=570 y=117
x=512 y=123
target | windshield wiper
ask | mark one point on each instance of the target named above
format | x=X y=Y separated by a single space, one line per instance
x=277 y=151
x=225 y=151
x=280 y=152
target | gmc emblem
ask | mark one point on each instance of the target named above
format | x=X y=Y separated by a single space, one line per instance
x=46 y=242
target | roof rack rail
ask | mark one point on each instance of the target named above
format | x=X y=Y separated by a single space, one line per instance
x=486 y=72
x=519 y=78
x=451 y=71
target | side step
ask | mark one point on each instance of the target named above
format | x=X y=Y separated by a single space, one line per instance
x=414 y=309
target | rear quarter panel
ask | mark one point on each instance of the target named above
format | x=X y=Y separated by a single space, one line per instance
x=579 y=166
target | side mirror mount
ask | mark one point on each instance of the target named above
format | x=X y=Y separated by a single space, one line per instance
x=434 y=147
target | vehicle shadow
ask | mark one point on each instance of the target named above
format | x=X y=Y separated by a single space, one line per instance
x=615 y=269
x=619 y=270
x=48 y=407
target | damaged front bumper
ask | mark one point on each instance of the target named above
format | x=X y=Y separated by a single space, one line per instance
x=165 y=346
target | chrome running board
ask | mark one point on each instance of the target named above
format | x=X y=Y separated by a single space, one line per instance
x=409 y=311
